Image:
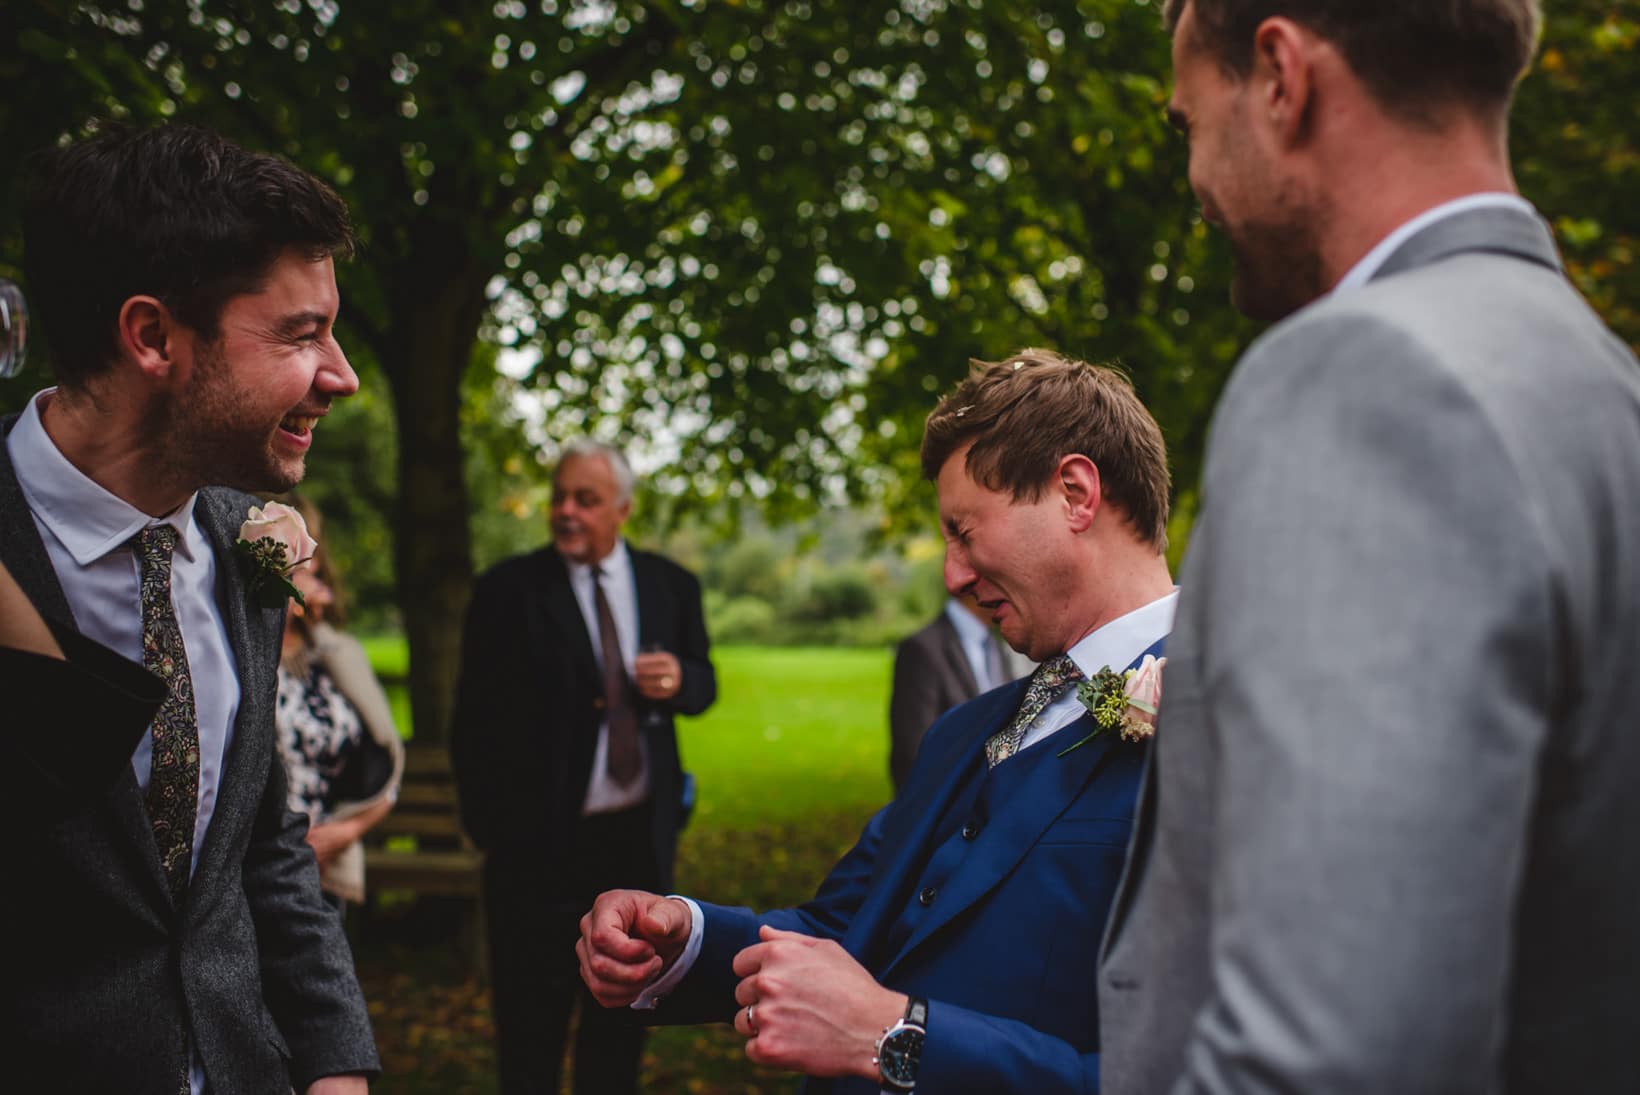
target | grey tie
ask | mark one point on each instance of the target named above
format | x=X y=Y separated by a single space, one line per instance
x=1047 y=683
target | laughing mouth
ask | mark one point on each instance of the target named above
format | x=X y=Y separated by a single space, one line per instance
x=298 y=424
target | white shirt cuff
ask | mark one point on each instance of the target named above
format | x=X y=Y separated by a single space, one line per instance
x=652 y=996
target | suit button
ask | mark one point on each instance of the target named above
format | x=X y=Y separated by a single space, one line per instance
x=970 y=830
x=598 y=703
x=926 y=898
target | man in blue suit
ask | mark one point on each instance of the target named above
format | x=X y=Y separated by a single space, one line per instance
x=951 y=949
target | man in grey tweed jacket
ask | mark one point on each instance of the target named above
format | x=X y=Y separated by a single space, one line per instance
x=167 y=929
x=1388 y=842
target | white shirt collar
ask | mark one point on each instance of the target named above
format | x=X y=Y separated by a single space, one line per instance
x=1373 y=261
x=1120 y=642
x=614 y=563
x=88 y=519
x=970 y=632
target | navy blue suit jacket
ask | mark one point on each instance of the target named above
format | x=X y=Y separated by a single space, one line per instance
x=1006 y=947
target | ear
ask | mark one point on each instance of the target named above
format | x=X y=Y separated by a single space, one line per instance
x=1283 y=77
x=148 y=337
x=1078 y=481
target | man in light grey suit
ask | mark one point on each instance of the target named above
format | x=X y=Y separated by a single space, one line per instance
x=167 y=930
x=1388 y=841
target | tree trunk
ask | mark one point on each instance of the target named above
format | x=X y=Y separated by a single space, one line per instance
x=435 y=328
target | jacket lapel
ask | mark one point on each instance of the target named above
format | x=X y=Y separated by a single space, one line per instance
x=921 y=805
x=1498 y=230
x=253 y=633
x=654 y=608
x=564 y=620
x=956 y=658
x=1052 y=785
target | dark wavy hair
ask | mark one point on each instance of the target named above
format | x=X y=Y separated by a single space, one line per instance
x=176 y=212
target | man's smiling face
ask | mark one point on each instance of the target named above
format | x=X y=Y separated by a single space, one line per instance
x=245 y=417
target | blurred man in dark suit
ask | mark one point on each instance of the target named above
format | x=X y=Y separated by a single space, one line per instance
x=952 y=660
x=575 y=659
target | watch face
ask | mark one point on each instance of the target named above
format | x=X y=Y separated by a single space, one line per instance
x=898 y=1058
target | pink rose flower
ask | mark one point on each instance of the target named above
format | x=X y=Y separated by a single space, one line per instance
x=285 y=527
x=1143 y=688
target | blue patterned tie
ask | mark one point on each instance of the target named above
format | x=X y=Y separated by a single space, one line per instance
x=1047 y=683
x=173 y=784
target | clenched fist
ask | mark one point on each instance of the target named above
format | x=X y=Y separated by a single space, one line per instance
x=629 y=939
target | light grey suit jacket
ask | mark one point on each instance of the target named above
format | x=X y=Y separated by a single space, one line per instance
x=1391 y=837
x=104 y=976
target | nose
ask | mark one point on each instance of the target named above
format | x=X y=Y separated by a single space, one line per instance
x=959 y=576
x=336 y=377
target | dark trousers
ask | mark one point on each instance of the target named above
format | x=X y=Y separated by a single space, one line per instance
x=534 y=920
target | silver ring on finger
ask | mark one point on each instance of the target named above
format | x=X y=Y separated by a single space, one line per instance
x=751 y=1020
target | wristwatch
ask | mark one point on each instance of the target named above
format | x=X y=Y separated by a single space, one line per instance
x=899 y=1050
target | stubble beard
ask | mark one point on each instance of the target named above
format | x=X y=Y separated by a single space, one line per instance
x=214 y=442
x=1277 y=259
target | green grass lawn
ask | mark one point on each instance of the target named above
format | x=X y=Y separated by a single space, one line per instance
x=790 y=762
x=794 y=729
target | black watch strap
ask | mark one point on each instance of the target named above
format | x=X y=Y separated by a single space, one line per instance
x=916 y=1012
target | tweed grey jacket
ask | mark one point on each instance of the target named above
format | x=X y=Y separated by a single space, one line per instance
x=106 y=980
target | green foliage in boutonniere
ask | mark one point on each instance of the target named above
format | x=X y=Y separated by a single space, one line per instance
x=1126 y=702
x=272 y=543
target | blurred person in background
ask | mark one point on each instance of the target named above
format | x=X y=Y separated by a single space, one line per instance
x=575 y=658
x=952 y=660
x=343 y=756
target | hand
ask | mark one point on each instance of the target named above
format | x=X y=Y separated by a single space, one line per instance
x=659 y=676
x=329 y=838
x=628 y=939
x=817 y=1010
x=339 y=1085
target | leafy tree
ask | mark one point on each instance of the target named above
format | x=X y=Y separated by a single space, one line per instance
x=756 y=237
x=1576 y=146
x=763 y=234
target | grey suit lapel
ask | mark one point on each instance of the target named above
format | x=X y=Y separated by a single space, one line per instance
x=1495 y=229
x=254 y=631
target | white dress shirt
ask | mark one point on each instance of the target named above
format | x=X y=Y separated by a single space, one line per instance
x=604 y=795
x=1373 y=260
x=1116 y=645
x=975 y=639
x=86 y=532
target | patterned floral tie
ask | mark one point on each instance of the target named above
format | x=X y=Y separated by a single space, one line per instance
x=1050 y=679
x=173 y=785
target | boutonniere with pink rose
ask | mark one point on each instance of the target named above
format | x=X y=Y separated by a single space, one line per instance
x=273 y=542
x=1126 y=702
